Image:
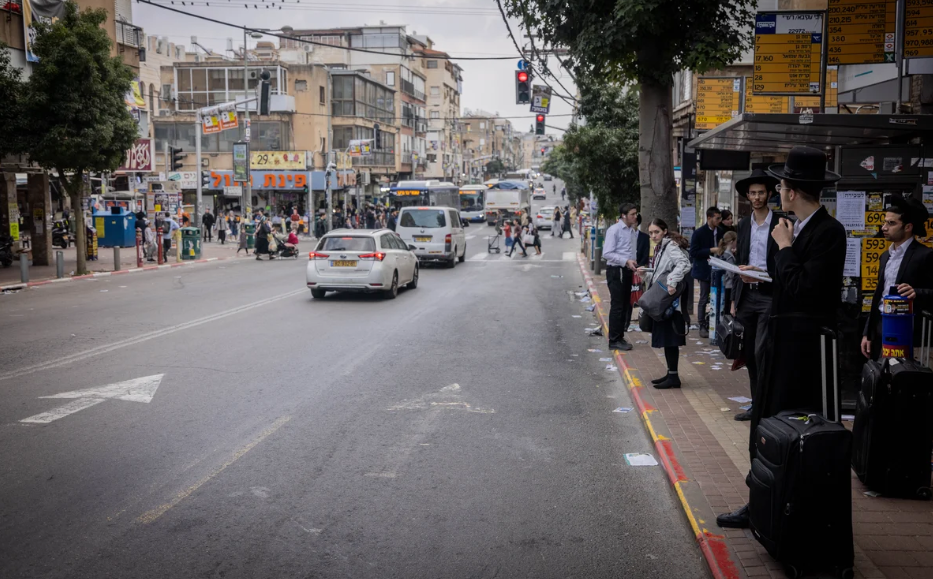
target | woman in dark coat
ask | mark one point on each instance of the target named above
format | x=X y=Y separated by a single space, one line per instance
x=263 y=231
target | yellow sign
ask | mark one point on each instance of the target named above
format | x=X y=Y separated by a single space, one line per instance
x=874 y=220
x=99 y=225
x=285 y=160
x=872 y=248
x=918 y=29
x=763 y=104
x=788 y=48
x=407 y=193
x=860 y=31
x=717 y=101
x=832 y=92
x=14 y=231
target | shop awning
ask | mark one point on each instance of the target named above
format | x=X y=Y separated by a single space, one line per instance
x=764 y=133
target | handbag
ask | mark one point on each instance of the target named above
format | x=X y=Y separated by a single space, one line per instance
x=731 y=334
x=528 y=239
x=637 y=288
x=656 y=300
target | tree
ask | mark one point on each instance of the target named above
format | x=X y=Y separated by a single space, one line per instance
x=75 y=105
x=645 y=41
x=11 y=113
x=494 y=167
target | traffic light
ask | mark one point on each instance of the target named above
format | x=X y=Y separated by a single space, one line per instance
x=265 y=92
x=377 y=137
x=205 y=180
x=539 y=126
x=522 y=87
x=177 y=158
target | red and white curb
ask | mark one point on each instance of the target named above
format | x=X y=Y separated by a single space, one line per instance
x=713 y=546
x=110 y=273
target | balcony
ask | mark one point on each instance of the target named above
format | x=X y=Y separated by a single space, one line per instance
x=377 y=159
x=409 y=89
x=129 y=35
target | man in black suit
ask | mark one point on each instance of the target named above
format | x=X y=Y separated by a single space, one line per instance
x=704 y=243
x=906 y=265
x=755 y=251
x=807 y=291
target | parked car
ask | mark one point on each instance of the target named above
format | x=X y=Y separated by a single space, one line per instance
x=539 y=193
x=435 y=233
x=544 y=217
x=547 y=177
x=360 y=260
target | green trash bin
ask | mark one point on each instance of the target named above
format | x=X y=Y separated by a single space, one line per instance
x=250 y=229
x=190 y=243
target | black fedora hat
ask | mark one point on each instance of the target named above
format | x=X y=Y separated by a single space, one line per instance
x=758 y=177
x=805 y=165
x=913 y=212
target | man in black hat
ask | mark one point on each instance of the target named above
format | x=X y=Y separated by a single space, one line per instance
x=806 y=293
x=906 y=266
x=755 y=251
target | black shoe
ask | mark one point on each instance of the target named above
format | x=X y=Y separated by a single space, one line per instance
x=743 y=416
x=661 y=379
x=672 y=381
x=734 y=520
x=704 y=332
x=620 y=345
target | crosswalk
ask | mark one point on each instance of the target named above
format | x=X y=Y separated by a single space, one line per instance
x=517 y=257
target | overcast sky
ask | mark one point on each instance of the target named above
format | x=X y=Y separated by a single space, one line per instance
x=458 y=27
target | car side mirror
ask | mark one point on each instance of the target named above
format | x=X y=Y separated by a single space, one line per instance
x=465 y=222
x=411 y=247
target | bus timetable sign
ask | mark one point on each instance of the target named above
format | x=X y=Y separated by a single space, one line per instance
x=788 y=53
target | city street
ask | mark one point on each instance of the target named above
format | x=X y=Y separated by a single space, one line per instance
x=462 y=430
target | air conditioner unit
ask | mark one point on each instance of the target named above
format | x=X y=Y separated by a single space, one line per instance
x=309 y=47
x=253 y=74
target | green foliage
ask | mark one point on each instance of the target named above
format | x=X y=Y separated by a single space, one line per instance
x=601 y=156
x=11 y=113
x=640 y=39
x=494 y=167
x=75 y=99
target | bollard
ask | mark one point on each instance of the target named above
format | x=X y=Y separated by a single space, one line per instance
x=24 y=267
x=161 y=257
x=116 y=258
x=59 y=264
x=598 y=262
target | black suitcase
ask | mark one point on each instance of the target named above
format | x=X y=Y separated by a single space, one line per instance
x=893 y=427
x=800 y=498
x=731 y=335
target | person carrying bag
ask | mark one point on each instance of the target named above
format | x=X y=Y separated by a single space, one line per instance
x=661 y=301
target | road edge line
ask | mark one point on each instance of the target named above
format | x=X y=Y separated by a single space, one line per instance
x=713 y=547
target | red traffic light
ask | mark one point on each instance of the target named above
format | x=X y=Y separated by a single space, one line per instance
x=522 y=76
x=540 y=118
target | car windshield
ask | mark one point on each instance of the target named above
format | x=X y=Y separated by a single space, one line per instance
x=426 y=218
x=547 y=211
x=347 y=244
x=471 y=202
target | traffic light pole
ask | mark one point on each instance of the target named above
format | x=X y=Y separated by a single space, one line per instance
x=197 y=160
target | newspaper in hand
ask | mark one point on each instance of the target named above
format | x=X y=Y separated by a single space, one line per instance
x=725 y=265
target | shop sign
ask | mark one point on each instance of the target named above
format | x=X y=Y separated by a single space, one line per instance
x=279 y=160
x=140 y=158
x=185 y=179
x=269 y=180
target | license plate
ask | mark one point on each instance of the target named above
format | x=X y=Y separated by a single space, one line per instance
x=343 y=263
x=423 y=239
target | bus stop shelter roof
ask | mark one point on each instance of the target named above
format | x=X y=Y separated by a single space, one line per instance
x=758 y=132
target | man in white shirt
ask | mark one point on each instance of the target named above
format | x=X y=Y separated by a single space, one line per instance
x=755 y=251
x=619 y=252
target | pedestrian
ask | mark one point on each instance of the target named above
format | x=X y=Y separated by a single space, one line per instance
x=276 y=223
x=243 y=242
x=727 y=254
x=670 y=258
x=234 y=224
x=207 y=223
x=533 y=231
x=727 y=220
x=393 y=220
x=573 y=217
x=563 y=193
x=370 y=218
x=525 y=218
x=619 y=253
x=169 y=227
x=703 y=244
x=567 y=226
x=263 y=235
x=557 y=223
x=295 y=218
x=517 y=238
x=222 y=227
x=807 y=292
x=149 y=241
x=906 y=266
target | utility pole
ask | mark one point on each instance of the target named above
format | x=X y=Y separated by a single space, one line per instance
x=247 y=198
x=197 y=156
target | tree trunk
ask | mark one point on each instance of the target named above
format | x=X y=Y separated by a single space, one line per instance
x=655 y=162
x=76 y=193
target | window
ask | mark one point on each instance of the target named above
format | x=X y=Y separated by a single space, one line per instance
x=454 y=220
x=425 y=218
x=301 y=85
x=432 y=64
x=347 y=244
x=435 y=114
x=435 y=91
x=322 y=95
x=390 y=78
x=388 y=241
x=482 y=126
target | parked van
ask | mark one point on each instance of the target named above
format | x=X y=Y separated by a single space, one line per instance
x=436 y=232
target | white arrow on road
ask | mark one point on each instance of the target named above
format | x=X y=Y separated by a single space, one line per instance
x=135 y=390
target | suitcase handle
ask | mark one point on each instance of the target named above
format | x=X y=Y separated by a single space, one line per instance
x=827 y=334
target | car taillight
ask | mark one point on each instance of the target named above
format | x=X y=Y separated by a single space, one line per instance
x=316 y=255
x=540 y=216
x=447 y=238
x=379 y=256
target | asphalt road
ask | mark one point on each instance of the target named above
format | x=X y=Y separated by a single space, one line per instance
x=461 y=430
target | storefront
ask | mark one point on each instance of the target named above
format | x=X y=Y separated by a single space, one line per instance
x=280 y=191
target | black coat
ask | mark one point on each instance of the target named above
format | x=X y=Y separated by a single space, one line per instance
x=806 y=295
x=743 y=252
x=917 y=270
x=207 y=220
x=642 y=248
x=700 y=244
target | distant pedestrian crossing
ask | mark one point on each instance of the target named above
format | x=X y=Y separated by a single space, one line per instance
x=503 y=257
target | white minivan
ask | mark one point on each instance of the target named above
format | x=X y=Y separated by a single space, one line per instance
x=436 y=233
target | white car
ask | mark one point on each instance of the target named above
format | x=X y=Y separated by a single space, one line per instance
x=539 y=193
x=361 y=260
x=544 y=218
x=436 y=233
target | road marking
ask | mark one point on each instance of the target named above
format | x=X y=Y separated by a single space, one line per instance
x=135 y=390
x=77 y=357
x=471 y=237
x=479 y=257
x=157 y=512
x=570 y=256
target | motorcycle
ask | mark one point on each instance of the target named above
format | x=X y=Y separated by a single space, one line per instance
x=6 y=250
x=61 y=237
x=284 y=249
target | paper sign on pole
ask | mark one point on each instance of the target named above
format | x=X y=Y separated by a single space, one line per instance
x=361 y=148
x=540 y=99
x=210 y=124
x=228 y=120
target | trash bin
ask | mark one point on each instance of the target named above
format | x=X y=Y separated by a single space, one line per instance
x=190 y=243
x=250 y=229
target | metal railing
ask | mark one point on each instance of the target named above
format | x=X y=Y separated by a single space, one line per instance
x=377 y=159
x=128 y=34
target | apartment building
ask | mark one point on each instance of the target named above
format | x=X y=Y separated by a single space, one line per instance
x=444 y=85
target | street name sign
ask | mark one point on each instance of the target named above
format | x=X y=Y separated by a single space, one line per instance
x=861 y=31
x=788 y=53
x=718 y=100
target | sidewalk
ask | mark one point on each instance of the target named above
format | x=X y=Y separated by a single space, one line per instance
x=705 y=453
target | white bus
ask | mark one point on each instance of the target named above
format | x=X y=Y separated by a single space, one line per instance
x=473 y=202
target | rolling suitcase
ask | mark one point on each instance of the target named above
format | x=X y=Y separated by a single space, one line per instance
x=893 y=427
x=800 y=498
